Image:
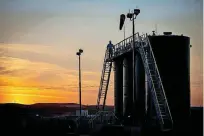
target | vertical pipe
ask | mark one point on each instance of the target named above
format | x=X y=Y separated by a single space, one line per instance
x=125 y=87
x=124 y=33
x=146 y=94
x=133 y=64
x=80 y=84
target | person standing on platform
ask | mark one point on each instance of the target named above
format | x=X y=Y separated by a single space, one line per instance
x=110 y=49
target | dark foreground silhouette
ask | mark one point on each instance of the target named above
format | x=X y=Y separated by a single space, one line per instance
x=21 y=120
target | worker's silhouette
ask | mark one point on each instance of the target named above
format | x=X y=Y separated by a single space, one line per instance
x=110 y=49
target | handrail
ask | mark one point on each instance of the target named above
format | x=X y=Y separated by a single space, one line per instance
x=151 y=80
x=160 y=81
x=124 y=40
x=102 y=77
x=127 y=38
x=124 y=45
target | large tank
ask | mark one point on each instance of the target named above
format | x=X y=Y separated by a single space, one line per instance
x=139 y=89
x=172 y=54
x=127 y=86
x=118 y=87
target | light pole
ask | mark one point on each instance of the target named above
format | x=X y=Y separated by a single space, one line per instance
x=79 y=54
x=132 y=16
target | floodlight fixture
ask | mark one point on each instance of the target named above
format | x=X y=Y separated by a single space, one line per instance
x=136 y=11
x=122 y=20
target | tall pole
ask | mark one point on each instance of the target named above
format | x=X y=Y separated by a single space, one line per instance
x=132 y=16
x=124 y=33
x=79 y=54
x=133 y=62
x=80 y=83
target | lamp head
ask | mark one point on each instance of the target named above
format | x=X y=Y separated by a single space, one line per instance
x=136 y=11
x=129 y=15
x=80 y=51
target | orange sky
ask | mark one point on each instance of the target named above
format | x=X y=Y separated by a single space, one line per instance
x=39 y=42
x=29 y=82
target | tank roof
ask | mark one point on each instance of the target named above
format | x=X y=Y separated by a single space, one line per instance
x=166 y=34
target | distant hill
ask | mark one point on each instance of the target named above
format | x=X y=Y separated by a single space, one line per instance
x=74 y=105
x=47 y=109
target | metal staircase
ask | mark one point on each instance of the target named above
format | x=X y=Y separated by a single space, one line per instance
x=155 y=84
x=105 y=77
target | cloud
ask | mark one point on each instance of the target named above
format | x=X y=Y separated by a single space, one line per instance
x=25 y=76
x=28 y=78
x=34 y=95
x=21 y=67
x=58 y=55
x=44 y=68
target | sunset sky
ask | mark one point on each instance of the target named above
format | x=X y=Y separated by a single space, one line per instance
x=39 y=40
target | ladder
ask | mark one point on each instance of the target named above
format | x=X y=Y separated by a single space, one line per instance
x=105 y=77
x=155 y=84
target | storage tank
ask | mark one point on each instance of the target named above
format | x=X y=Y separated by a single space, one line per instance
x=127 y=86
x=118 y=87
x=139 y=108
x=172 y=54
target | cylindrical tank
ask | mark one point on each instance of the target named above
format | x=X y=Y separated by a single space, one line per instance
x=139 y=108
x=118 y=87
x=172 y=54
x=127 y=86
x=151 y=113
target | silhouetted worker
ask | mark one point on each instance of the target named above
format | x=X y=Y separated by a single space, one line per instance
x=110 y=49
